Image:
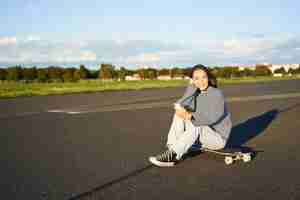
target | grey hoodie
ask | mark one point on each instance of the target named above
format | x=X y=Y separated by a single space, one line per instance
x=208 y=109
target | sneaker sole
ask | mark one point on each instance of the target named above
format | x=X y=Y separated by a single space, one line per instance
x=154 y=161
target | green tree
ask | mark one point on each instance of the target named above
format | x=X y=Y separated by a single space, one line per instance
x=143 y=73
x=3 y=74
x=164 y=72
x=83 y=72
x=122 y=73
x=248 y=72
x=14 y=73
x=115 y=74
x=29 y=74
x=187 y=71
x=262 y=70
x=294 y=71
x=152 y=73
x=225 y=72
x=42 y=75
x=235 y=72
x=107 y=71
x=77 y=75
x=55 y=73
x=280 y=70
x=94 y=74
x=68 y=75
x=297 y=70
x=214 y=71
x=177 y=72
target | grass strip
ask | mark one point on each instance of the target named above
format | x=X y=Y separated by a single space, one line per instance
x=17 y=89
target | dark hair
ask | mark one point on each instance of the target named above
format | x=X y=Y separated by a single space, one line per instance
x=212 y=80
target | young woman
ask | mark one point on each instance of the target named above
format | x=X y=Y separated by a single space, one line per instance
x=201 y=116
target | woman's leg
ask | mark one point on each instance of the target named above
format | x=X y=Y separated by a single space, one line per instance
x=186 y=140
x=176 y=130
x=210 y=139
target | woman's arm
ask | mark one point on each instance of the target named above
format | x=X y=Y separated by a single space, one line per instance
x=189 y=91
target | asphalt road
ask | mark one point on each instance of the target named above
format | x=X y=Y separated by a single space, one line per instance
x=95 y=146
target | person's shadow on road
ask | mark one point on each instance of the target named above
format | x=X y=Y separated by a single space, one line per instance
x=245 y=131
x=251 y=128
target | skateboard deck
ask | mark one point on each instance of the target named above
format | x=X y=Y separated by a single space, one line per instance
x=230 y=154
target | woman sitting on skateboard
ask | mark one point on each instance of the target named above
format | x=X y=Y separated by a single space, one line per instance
x=201 y=116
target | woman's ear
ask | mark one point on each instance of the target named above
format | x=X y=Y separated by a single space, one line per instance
x=191 y=81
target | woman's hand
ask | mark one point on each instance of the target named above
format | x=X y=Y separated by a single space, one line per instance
x=183 y=114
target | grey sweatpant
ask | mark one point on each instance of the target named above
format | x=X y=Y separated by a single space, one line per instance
x=183 y=134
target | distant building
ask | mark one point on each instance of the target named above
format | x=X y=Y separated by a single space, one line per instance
x=242 y=68
x=178 y=78
x=164 y=77
x=278 y=75
x=135 y=77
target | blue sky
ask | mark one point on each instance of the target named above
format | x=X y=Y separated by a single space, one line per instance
x=154 y=33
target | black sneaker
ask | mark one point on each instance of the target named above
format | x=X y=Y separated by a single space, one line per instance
x=166 y=159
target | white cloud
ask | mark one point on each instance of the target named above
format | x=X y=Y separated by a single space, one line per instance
x=146 y=52
x=232 y=44
x=32 y=38
x=159 y=57
x=70 y=56
x=8 y=40
x=144 y=58
x=88 y=56
x=248 y=47
x=286 y=57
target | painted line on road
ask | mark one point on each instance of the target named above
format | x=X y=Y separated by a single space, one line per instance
x=73 y=112
x=56 y=111
x=137 y=106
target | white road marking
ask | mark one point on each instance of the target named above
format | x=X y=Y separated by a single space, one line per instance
x=73 y=112
x=56 y=111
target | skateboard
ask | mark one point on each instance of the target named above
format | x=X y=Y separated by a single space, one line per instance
x=231 y=154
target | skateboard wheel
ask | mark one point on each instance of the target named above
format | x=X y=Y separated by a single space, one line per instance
x=247 y=157
x=228 y=160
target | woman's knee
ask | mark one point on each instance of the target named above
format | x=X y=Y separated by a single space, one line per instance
x=221 y=144
x=216 y=145
x=176 y=117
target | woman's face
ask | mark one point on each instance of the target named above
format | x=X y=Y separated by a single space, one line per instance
x=200 y=79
